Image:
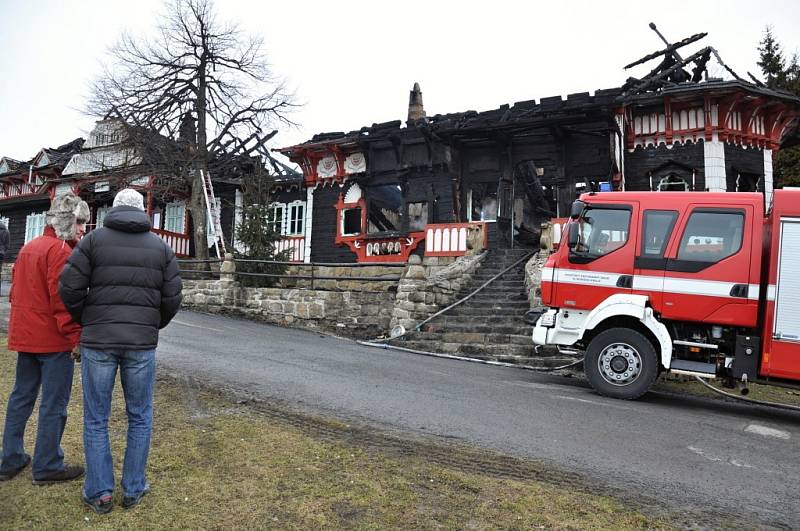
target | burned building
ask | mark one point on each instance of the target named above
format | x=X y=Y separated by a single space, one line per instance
x=684 y=130
x=377 y=193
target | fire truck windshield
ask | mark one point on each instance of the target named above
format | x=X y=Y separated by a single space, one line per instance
x=601 y=230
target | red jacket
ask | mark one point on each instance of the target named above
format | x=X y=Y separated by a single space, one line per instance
x=39 y=323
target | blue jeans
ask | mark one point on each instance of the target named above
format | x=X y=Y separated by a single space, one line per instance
x=53 y=373
x=137 y=373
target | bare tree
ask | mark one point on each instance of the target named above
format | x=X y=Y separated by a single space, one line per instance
x=197 y=96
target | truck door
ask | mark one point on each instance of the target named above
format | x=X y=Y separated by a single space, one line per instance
x=707 y=272
x=601 y=264
x=651 y=263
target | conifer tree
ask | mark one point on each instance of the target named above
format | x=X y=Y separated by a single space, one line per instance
x=256 y=236
x=771 y=60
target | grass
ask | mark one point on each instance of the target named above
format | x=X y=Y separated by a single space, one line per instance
x=218 y=464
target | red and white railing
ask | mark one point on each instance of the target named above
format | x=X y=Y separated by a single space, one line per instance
x=449 y=239
x=178 y=242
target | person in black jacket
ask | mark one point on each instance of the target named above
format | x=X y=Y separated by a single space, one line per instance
x=122 y=285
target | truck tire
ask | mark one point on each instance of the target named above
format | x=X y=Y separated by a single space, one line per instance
x=621 y=363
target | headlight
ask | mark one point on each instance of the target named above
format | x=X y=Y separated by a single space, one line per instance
x=548 y=319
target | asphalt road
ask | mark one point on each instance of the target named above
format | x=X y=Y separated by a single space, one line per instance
x=691 y=453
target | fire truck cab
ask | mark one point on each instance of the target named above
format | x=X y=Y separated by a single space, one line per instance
x=695 y=283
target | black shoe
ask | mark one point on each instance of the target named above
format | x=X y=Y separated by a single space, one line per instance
x=133 y=501
x=5 y=476
x=68 y=473
x=101 y=505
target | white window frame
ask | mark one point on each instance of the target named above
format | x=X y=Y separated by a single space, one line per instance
x=211 y=231
x=100 y=215
x=296 y=212
x=34 y=226
x=274 y=219
x=361 y=216
x=174 y=216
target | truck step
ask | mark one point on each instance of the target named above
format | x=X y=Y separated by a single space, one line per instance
x=693 y=368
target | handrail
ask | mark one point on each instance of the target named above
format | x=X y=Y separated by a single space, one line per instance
x=418 y=326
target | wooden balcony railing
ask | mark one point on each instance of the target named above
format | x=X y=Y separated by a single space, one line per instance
x=178 y=242
x=449 y=239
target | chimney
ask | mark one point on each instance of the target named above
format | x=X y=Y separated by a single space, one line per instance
x=415 y=109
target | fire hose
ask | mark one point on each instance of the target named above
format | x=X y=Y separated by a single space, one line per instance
x=748 y=400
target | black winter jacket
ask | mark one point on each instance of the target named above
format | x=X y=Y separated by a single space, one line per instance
x=121 y=283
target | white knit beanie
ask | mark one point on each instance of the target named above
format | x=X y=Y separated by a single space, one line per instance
x=129 y=197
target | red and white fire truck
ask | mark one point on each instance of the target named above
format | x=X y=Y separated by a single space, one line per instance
x=698 y=283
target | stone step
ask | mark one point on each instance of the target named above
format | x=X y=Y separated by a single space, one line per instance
x=502 y=281
x=490 y=270
x=471 y=338
x=494 y=287
x=487 y=297
x=496 y=328
x=473 y=351
x=479 y=278
x=479 y=306
x=448 y=319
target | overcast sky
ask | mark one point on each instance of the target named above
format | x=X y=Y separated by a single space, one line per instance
x=353 y=63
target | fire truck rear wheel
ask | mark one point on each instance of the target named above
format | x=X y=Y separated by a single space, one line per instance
x=621 y=363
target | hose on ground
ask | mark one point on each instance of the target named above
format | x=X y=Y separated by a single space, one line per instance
x=748 y=400
x=463 y=358
x=419 y=325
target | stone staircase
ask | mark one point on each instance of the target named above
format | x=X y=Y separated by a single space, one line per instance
x=490 y=325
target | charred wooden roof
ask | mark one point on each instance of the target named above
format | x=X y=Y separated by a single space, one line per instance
x=508 y=119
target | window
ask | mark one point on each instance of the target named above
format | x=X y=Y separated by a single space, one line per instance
x=672 y=183
x=711 y=236
x=658 y=226
x=384 y=208
x=5 y=222
x=296 y=221
x=211 y=231
x=482 y=203
x=417 y=216
x=601 y=231
x=101 y=215
x=34 y=226
x=175 y=217
x=275 y=219
x=351 y=222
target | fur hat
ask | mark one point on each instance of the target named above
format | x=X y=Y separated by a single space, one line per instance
x=65 y=210
x=129 y=197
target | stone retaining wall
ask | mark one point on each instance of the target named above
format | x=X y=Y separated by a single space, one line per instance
x=533 y=278
x=349 y=304
x=364 y=313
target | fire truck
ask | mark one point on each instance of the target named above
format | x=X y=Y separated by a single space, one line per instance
x=694 y=283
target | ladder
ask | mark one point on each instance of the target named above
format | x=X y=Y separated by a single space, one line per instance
x=213 y=213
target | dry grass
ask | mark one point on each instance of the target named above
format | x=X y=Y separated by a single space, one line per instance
x=215 y=464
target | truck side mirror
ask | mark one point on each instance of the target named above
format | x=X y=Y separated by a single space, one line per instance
x=577 y=209
x=574 y=235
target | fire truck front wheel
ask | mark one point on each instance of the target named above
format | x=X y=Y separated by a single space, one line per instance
x=621 y=363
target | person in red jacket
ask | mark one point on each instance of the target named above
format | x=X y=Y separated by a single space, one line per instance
x=44 y=335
